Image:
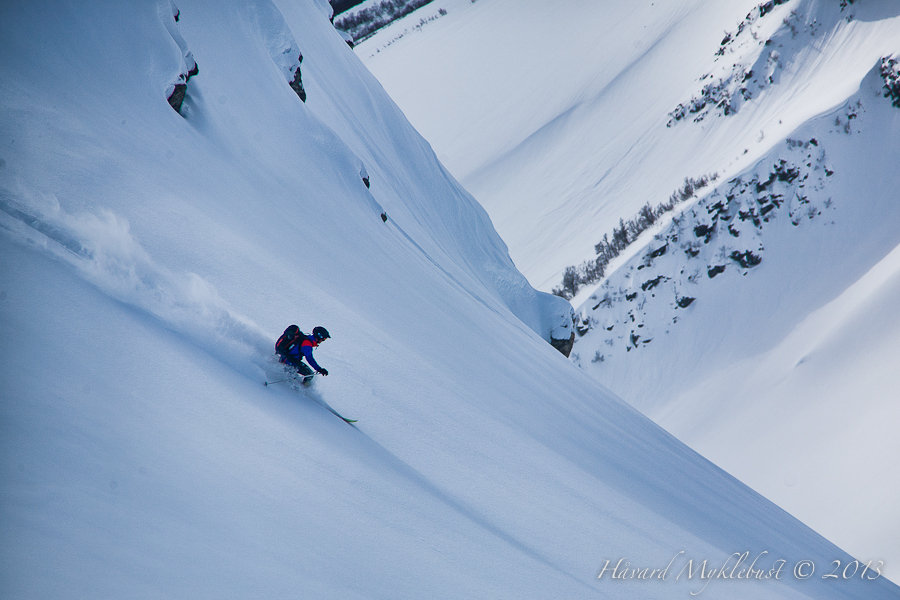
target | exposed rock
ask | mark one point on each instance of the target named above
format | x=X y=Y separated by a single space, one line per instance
x=189 y=68
x=364 y=175
x=890 y=74
x=296 y=83
x=746 y=259
x=715 y=270
x=564 y=346
x=176 y=98
x=685 y=301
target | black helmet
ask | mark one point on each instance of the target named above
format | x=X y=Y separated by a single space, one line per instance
x=320 y=333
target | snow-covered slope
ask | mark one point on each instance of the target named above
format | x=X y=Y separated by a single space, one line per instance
x=762 y=321
x=149 y=259
x=564 y=106
x=758 y=325
x=568 y=106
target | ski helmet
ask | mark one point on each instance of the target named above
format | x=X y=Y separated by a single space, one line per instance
x=320 y=333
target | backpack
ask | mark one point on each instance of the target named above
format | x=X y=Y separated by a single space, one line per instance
x=287 y=339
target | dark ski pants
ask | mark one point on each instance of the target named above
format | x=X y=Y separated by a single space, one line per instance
x=302 y=368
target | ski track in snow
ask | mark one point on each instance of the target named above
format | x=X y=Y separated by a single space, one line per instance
x=792 y=80
x=103 y=250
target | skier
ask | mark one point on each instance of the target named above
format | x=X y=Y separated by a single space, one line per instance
x=293 y=346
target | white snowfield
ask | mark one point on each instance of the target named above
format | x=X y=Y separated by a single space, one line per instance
x=148 y=261
x=781 y=371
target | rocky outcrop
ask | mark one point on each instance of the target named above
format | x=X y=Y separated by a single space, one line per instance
x=297 y=83
x=177 y=90
x=564 y=345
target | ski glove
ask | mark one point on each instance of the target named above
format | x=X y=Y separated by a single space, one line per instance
x=323 y=372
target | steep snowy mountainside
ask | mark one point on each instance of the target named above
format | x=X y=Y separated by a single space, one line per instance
x=396 y=184
x=555 y=126
x=819 y=207
x=583 y=141
x=150 y=257
x=270 y=161
x=750 y=322
x=798 y=45
x=784 y=101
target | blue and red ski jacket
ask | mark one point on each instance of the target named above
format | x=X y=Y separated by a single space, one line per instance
x=304 y=348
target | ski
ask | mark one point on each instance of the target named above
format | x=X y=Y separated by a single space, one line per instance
x=301 y=380
x=339 y=415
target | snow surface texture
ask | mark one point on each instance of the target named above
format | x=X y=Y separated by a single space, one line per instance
x=568 y=132
x=755 y=322
x=149 y=259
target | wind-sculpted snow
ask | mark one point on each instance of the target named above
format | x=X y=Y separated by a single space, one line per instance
x=280 y=41
x=176 y=90
x=774 y=38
